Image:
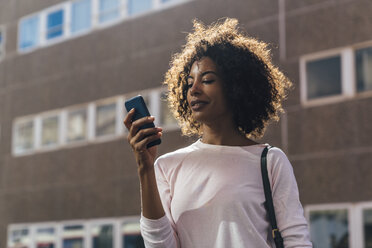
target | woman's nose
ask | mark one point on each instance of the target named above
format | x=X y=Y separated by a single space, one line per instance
x=195 y=88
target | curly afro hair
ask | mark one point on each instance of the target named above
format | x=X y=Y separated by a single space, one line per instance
x=253 y=86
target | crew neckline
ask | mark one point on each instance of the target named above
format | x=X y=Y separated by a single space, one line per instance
x=206 y=145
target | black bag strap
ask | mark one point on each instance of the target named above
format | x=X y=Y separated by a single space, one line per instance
x=269 y=200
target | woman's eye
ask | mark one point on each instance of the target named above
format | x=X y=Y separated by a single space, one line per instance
x=208 y=81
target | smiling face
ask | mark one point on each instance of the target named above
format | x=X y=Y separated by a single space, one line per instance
x=205 y=94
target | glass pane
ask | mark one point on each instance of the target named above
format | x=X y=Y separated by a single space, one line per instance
x=80 y=15
x=77 y=125
x=131 y=236
x=363 y=58
x=49 y=131
x=106 y=119
x=73 y=236
x=24 y=136
x=108 y=10
x=102 y=236
x=329 y=228
x=45 y=238
x=55 y=24
x=323 y=77
x=138 y=6
x=19 y=238
x=29 y=32
x=367 y=226
x=167 y=118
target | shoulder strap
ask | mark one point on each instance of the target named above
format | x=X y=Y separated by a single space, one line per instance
x=269 y=200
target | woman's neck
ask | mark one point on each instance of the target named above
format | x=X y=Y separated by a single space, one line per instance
x=224 y=134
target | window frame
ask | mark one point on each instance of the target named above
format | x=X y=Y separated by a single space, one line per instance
x=353 y=216
x=111 y=100
x=367 y=44
x=65 y=24
x=29 y=49
x=81 y=32
x=71 y=143
x=49 y=114
x=347 y=76
x=22 y=120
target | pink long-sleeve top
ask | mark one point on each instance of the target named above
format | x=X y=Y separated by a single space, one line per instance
x=213 y=197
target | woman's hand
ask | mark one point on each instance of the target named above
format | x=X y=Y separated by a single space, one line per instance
x=138 y=140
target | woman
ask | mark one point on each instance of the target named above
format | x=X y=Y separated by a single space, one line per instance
x=223 y=88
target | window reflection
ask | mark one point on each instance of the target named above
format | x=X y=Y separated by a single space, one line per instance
x=55 y=24
x=45 y=237
x=19 y=239
x=73 y=236
x=77 y=125
x=329 y=228
x=367 y=226
x=49 y=131
x=24 y=136
x=102 y=236
x=105 y=119
x=109 y=10
x=363 y=59
x=323 y=77
x=131 y=235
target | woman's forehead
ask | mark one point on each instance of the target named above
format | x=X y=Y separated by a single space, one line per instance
x=204 y=64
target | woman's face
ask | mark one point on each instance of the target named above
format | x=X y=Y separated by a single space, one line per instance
x=205 y=94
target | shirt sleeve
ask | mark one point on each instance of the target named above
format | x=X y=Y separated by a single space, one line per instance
x=288 y=209
x=161 y=232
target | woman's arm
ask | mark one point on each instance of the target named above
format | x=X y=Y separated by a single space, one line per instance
x=288 y=209
x=155 y=227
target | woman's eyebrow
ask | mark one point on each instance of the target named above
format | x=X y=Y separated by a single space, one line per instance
x=202 y=74
x=207 y=72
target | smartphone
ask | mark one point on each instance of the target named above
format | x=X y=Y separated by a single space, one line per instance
x=141 y=110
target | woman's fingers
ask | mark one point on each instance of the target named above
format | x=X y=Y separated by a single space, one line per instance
x=142 y=145
x=138 y=123
x=140 y=135
x=128 y=119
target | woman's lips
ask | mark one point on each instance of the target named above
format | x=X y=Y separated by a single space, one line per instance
x=198 y=105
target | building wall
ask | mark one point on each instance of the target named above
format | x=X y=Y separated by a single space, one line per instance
x=329 y=145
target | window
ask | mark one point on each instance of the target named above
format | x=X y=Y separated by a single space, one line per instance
x=19 y=238
x=323 y=77
x=2 y=42
x=102 y=236
x=45 y=237
x=29 y=32
x=363 y=63
x=138 y=6
x=50 y=131
x=109 y=10
x=367 y=227
x=24 y=136
x=54 y=24
x=105 y=119
x=329 y=228
x=77 y=125
x=80 y=16
x=131 y=235
x=73 y=236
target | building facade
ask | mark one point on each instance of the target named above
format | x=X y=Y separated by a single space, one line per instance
x=67 y=175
